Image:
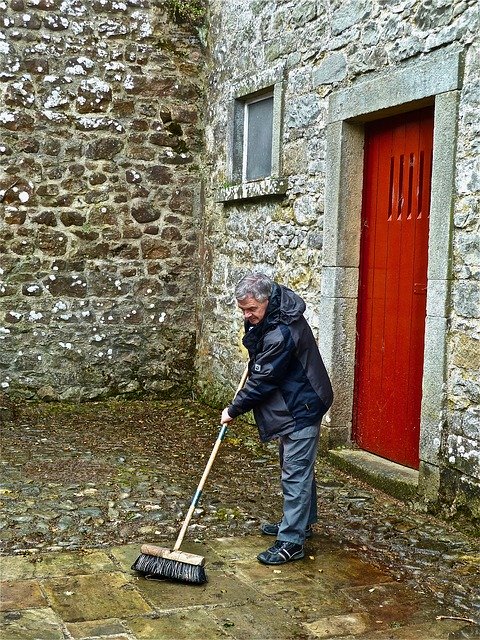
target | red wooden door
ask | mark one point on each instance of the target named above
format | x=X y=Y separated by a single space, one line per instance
x=393 y=286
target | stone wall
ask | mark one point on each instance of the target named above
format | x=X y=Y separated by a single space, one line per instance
x=318 y=48
x=100 y=139
x=102 y=228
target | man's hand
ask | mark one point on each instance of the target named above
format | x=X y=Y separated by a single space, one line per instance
x=225 y=417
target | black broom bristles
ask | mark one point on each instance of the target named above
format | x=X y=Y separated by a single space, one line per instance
x=155 y=567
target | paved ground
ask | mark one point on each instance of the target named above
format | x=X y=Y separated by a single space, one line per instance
x=330 y=594
x=83 y=487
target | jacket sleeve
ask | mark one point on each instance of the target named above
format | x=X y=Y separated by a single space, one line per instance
x=267 y=370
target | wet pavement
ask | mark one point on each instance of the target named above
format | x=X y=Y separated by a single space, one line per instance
x=83 y=487
x=330 y=594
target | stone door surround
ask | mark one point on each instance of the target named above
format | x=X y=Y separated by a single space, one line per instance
x=433 y=79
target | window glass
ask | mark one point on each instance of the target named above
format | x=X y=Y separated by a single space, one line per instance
x=257 y=153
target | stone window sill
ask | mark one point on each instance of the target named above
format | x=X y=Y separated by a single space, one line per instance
x=250 y=190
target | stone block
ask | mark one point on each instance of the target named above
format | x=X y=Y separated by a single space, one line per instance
x=415 y=80
x=182 y=201
x=463 y=454
x=126 y=555
x=438 y=298
x=153 y=249
x=340 y=282
x=52 y=243
x=196 y=623
x=434 y=371
x=219 y=588
x=388 y=476
x=428 y=482
x=249 y=622
x=466 y=351
x=93 y=95
x=306 y=210
x=337 y=345
x=52 y=565
x=442 y=187
x=64 y=286
x=230 y=549
x=15 y=189
x=466 y=299
x=436 y=630
x=471 y=417
x=86 y=597
x=343 y=195
x=112 y=629
x=47 y=218
x=304 y=111
x=332 y=69
x=35 y=66
x=348 y=15
x=13 y=216
x=332 y=436
x=159 y=174
x=331 y=626
x=304 y=12
x=104 y=149
x=392 y=603
x=16 y=121
x=72 y=218
x=145 y=213
x=18 y=595
x=31 y=624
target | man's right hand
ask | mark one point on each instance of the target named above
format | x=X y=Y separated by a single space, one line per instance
x=225 y=416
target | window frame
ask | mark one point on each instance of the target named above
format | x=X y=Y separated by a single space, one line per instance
x=253 y=88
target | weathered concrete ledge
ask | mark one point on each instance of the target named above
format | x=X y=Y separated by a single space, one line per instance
x=256 y=189
x=400 y=482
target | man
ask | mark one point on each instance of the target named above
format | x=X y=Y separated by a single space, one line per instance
x=289 y=391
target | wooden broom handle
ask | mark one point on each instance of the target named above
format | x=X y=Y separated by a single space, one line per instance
x=243 y=379
x=198 y=492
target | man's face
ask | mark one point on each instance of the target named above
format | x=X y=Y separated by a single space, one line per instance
x=253 y=311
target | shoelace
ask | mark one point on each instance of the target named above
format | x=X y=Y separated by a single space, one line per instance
x=280 y=544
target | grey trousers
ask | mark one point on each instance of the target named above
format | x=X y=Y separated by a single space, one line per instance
x=297 y=461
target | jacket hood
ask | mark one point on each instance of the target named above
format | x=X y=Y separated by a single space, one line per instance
x=284 y=306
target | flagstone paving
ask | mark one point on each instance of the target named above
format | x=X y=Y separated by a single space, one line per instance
x=332 y=593
x=83 y=486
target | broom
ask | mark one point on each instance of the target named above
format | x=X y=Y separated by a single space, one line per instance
x=173 y=564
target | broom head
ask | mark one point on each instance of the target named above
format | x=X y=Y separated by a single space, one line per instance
x=159 y=562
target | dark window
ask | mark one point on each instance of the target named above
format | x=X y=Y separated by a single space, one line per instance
x=253 y=136
x=257 y=138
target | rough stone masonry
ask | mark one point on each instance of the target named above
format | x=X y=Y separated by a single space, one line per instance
x=313 y=50
x=101 y=121
x=99 y=144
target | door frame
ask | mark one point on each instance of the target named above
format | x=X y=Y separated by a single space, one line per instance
x=433 y=80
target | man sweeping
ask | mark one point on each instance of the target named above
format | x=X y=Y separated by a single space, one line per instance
x=289 y=391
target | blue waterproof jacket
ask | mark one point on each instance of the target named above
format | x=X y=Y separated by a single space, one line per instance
x=288 y=387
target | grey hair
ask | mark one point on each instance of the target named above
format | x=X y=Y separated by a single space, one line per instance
x=255 y=285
